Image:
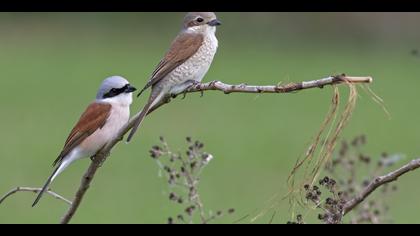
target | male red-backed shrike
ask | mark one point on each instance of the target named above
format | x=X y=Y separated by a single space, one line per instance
x=186 y=62
x=98 y=125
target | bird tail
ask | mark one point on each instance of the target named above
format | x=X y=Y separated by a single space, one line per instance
x=60 y=168
x=46 y=185
x=152 y=101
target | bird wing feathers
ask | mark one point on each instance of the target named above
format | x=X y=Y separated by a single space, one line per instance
x=94 y=117
x=182 y=48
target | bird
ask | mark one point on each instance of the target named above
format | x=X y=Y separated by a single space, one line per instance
x=99 y=124
x=184 y=64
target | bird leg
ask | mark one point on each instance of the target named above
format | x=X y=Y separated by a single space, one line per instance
x=190 y=84
x=100 y=157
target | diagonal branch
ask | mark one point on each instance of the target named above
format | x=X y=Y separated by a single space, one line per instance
x=34 y=190
x=379 y=181
x=101 y=156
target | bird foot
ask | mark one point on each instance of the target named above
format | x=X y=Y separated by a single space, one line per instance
x=190 y=84
x=99 y=159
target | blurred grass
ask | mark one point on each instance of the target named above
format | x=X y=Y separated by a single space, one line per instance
x=52 y=63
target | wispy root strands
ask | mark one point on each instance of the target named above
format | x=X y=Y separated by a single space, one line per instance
x=326 y=148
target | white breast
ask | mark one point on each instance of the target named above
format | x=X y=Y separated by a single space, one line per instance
x=118 y=117
x=196 y=67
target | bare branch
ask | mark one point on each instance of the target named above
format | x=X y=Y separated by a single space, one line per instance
x=101 y=156
x=291 y=87
x=34 y=190
x=379 y=181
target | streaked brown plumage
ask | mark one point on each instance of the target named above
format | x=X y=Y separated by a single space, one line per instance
x=183 y=47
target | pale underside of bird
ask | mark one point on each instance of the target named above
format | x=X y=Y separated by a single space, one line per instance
x=99 y=124
x=185 y=63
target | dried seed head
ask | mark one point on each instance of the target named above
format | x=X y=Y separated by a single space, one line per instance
x=329 y=201
x=324 y=181
x=173 y=197
x=299 y=218
x=153 y=155
x=193 y=165
x=189 y=210
x=207 y=158
x=167 y=169
x=155 y=152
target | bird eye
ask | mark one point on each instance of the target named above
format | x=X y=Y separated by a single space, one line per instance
x=199 y=19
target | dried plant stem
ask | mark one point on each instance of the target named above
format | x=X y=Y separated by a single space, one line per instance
x=194 y=197
x=33 y=190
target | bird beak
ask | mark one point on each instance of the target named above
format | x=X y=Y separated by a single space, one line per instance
x=130 y=89
x=214 y=22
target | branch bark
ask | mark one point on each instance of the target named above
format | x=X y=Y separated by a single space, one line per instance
x=379 y=181
x=34 y=190
x=101 y=156
x=291 y=87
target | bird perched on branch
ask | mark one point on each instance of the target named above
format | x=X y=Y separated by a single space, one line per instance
x=99 y=124
x=185 y=63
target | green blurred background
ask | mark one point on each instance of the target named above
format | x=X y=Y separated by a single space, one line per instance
x=52 y=64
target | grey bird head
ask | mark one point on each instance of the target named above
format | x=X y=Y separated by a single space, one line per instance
x=200 y=20
x=114 y=86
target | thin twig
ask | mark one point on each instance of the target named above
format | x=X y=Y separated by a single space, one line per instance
x=101 y=156
x=379 y=181
x=195 y=197
x=33 y=190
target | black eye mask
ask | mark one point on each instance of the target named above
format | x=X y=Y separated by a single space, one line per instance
x=117 y=91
